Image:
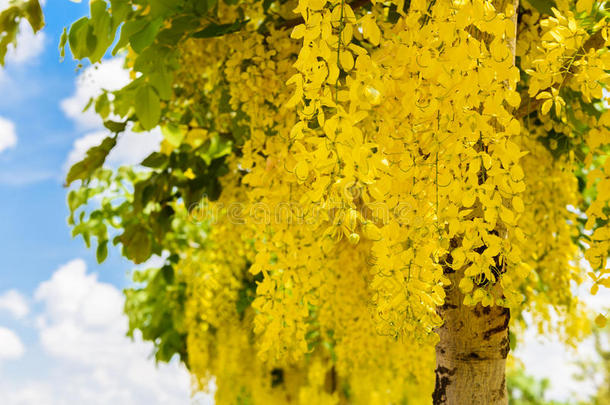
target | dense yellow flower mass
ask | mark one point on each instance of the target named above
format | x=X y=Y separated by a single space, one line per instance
x=342 y=342
x=381 y=144
x=365 y=162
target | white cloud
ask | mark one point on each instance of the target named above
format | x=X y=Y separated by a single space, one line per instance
x=14 y=303
x=72 y=294
x=10 y=345
x=548 y=357
x=86 y=357
x=29 y=45
x=82 y=145
x=8 y=135
x=109 y=75
x=131 y=148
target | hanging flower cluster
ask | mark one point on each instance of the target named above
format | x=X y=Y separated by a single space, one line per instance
x=374 y=155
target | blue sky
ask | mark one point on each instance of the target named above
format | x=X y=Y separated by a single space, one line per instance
x=61 y=324
x=62 y=331
x=34 y=237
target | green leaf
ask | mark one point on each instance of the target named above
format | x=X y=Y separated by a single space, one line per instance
x=155 y=160
x=148 y=107
x=94 y=160
x=211 y=4
x=124 y=99
x=102 y=251
x=77 y=38
x=137 y=245
x=62 y=43
x=267 y=4
x=9 y=23
x=101 y=30
x=543 y=6
x=129 y=28
x=217 y=30
x=216 y=148
x=168 y=273
x=162 y=221
x=150 y=59
x=180 y=25
x=161 y=79
x=153 y=189
x=114 y=126
x=203 y=7
x=90 y=42
x=146 y=36
x=88 y=105
x=512 y=340
x=163 y=7
x=102 y=105
x=172 y=134
x=33 y=13
x=120 y=10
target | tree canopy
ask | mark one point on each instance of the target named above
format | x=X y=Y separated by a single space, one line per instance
x=338 y=181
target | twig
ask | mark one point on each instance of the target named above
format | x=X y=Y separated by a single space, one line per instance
x=299 y=20
x=529 y=104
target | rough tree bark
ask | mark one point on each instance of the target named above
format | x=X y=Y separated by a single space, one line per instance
x=471 y=354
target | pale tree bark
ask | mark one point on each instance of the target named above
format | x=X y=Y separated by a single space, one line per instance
x=471 y=354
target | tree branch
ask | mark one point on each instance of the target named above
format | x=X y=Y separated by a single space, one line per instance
x=299 y=20
x=530 y=104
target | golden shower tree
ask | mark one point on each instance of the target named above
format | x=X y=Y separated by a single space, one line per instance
x=355 y=199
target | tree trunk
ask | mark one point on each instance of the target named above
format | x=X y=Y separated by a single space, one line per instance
x=471 y=354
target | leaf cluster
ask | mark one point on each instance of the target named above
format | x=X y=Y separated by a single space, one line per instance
x=155 y=307
x=11 y=17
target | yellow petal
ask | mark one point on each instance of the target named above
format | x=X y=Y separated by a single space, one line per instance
x=518 y=204
x=301 y=170
x=546 y=106
x=601 y=321
x=347 y=60
x=543 y=94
